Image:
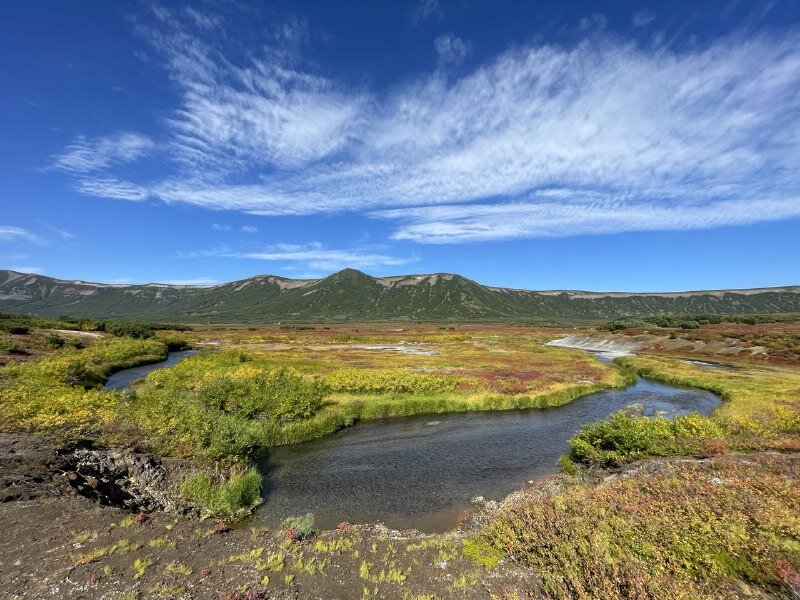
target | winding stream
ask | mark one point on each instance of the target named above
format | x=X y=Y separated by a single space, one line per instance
x=122 y=379
x=422 y=472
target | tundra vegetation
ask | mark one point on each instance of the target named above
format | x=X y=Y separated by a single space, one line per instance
x=725 y=525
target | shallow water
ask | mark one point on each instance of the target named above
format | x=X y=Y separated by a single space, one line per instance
x=122 y=379
x=422 y=471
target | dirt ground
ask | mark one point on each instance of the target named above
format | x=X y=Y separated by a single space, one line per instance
x=65 y=545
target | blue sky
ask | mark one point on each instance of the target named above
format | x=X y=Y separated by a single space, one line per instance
x=639 y=146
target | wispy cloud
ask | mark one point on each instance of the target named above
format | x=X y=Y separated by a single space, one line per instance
x=603 y=136
x=427 y=9
x=86 y=155
x=451 y=49
x=221 y=250
x=110 y=187
x=480 y=222
x=313 y=256
x=642 y=18
x=9 y=233
x=62 y=233
x=226 y=227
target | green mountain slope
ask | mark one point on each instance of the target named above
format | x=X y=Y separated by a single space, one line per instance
x=351 y=295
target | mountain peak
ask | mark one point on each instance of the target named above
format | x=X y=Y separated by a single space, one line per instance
x=349 y=275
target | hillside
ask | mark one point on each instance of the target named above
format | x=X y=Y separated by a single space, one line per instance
x=351 y=295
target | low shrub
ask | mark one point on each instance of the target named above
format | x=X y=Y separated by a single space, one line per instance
x=691 y=532
x=54 y=341
x=480 y=551
x=60 y=392
x=9 y=346
x=388 y=380
x=220 y=497
x=281 y=396
x=132 y=329
x=298 y=528
x=622 y=437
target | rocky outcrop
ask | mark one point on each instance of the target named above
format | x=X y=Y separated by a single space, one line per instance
x=33 y=467
x=125 y=479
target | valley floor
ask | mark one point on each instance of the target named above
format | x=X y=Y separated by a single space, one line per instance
x=699 y=507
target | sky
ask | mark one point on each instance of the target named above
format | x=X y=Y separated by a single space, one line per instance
x=625 y=145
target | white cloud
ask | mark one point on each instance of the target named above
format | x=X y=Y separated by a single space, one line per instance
x=220 y=250
x=313 y=256
x=624 y=135
x=451 y=49
x=427 y=9
x=9 y=233
x=641 y=18
x=110 y=187
x=63 y=233
x=85 y=155
x=480 y=222
x=226 y=227
x=596 y=21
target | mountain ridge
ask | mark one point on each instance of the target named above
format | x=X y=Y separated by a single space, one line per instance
x=351 y=295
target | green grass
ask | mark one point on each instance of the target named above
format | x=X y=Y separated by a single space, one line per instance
x=221 y=496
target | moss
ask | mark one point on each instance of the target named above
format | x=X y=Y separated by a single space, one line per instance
x=482 y=553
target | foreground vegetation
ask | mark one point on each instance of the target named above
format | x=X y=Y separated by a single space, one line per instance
x=690 y=531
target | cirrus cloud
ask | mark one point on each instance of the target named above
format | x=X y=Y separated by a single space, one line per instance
x=543 y=140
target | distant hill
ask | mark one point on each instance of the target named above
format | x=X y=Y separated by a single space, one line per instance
x=351 y=295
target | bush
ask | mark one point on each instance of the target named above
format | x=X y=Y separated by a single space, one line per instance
x=281 y=396
x=241 y=492
x=480 y=551
x=137 y=331
x=213 y=406
x=10 y=346
x=298 y=528
x=16 y=329
x=622 y=437
x=59 y=393
x=54 y=341
x=695 y=321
